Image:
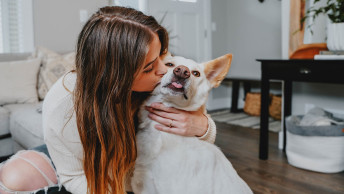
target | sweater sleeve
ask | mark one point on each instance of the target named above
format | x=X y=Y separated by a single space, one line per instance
x=210 y=135
x=69 y=167
x=62 y=137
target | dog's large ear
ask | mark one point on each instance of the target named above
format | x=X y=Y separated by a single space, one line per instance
x=217 y=69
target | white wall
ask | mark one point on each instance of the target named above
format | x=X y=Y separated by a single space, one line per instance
x=246 y=28
x=57 y=22
x=327 y=96
x=250 y=30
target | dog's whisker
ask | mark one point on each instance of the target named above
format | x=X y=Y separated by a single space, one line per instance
x=185 y=96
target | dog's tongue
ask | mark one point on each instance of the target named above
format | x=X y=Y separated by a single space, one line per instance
x=175 y=84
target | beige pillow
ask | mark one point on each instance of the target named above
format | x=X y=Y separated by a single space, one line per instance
x=18 y=80
x=53 y=67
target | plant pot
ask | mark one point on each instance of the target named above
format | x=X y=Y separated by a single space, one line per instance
x=335 y=36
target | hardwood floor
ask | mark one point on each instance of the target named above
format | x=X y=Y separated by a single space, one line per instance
x=275 y=175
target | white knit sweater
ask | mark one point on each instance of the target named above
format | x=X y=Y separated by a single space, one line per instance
x=63 y=140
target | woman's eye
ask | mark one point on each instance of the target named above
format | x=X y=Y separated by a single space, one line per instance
x=148 y=70
x=169 y=65
x=196 y=73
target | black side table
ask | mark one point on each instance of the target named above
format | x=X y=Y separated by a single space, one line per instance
x=288 y=71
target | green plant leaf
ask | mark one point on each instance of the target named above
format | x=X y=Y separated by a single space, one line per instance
x=334 y=9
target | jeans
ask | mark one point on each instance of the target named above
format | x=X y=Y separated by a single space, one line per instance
x=51 y=190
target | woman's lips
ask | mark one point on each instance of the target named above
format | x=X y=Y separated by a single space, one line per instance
x=157 y=84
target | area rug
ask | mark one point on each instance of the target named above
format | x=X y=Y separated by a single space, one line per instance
x=244 y=120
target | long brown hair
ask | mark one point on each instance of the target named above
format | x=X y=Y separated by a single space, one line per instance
x=111 y=49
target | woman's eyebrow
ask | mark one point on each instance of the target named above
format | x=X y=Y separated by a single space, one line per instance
x=150 y=63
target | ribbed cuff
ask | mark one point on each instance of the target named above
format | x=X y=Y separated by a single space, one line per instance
x=210 y=135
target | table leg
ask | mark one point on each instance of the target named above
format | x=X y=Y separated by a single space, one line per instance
x=287 y=108
x=264 y=120
x=235 y=96
x=5 y=136
x=247 y=88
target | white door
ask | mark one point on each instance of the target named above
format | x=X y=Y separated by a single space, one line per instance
x=188 y=23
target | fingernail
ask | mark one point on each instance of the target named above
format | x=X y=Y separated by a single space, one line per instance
x=158 y=127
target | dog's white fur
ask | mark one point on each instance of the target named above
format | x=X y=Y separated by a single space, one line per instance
x=172 y=164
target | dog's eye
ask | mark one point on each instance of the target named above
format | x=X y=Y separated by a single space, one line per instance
x=169 y=65
x=196 y=73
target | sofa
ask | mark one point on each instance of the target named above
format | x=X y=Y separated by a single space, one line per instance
x=25 y=78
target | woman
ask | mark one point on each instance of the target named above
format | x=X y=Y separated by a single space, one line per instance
x=89 y=114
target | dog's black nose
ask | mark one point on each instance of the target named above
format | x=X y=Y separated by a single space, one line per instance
x=182 y=72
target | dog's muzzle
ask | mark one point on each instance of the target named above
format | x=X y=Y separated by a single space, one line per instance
x=180 y=75
x=181 y=72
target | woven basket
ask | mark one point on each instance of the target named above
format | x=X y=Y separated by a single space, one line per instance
x=275 y=107
x=252 y=104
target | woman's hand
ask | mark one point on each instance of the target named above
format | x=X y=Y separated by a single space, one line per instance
x=179 y=122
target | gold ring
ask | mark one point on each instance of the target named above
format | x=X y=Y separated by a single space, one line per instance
x=171 y=123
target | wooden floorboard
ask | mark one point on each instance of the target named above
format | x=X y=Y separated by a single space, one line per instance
x=275 y=175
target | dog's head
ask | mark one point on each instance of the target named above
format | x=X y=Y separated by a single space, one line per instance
x=186 y=84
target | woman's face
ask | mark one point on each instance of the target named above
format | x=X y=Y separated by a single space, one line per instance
x=153 y=69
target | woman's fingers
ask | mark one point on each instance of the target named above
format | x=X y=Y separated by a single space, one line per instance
x=173 y=130
x=164 y=121
x=170 y=125
x=161 y=113
x=161 y=107
x=177 y=121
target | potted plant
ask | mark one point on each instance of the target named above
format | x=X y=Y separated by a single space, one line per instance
x=334 y=9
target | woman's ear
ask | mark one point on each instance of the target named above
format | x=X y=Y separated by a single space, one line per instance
x=217 y=69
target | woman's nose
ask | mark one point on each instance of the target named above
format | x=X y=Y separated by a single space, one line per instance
x=162 y=69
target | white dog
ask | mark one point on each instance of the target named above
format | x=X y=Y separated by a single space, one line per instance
x=172 y=164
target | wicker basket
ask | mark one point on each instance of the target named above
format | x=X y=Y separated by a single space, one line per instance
x=275 y=107
x=252 y=104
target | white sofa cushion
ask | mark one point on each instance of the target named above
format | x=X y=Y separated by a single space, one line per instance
x=26 y=124
x=18 y=80
x=4 y=121
x=53 y=67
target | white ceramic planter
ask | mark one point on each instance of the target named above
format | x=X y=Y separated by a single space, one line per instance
x=335 y=36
